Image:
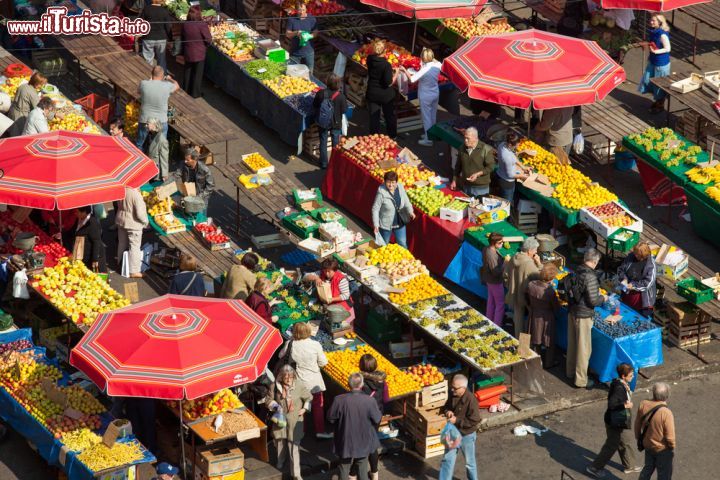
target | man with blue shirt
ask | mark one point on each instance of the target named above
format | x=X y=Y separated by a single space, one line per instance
x=300 y=30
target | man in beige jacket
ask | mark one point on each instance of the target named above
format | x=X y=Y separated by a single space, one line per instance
x=130 y=219
x=659 y=437
x=522 y=268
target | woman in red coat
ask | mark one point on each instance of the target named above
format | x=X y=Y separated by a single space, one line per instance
x=258 y=301
x=196 y=38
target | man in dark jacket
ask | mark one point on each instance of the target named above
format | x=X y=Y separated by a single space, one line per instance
x=462 y=410
x=356 y=418
x=154 y=43
x=88 y=228
x=475 y=165
x=583 y=298
x=194 y=171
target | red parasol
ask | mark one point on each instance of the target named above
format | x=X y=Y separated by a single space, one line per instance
x=175 y=347
x=67 y=170
x=650 y=5
x=542 y=69
x=429 y=9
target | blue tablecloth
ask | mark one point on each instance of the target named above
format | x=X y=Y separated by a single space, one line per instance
x=464 y=269
x=640 y=350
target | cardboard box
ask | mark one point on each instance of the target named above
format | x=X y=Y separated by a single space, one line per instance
x=220 y=461
x=452 y=215
x=232 y=476
x=123 y=473
x=528 y=206
x=597 y=225
x=490 y=210
x=540 y=183
x=317 y=247
x=670 y=264
x=682 y=313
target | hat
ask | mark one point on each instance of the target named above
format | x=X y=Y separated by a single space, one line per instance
x=166 y=468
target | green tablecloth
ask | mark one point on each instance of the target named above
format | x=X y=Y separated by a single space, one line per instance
x=179 y=214
x=567 y=216
x=704 y=213
x=676 y=173
x=444 y=132
x=447 y=36
x=478 y=236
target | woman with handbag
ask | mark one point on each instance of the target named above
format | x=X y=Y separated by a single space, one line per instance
x=188 y=281
x=618 y=425
x=392 y=210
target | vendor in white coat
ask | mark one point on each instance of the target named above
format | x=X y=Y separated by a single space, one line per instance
x=428 y=91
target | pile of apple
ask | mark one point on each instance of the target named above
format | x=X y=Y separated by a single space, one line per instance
x=426 y=374
x=612 y=215
x=213 y=404
x=467 y=27
x=408 y=175
x=395 y=54
x=373 y=149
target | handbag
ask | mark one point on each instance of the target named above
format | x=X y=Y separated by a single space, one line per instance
x=403 y=215
x=620 y=418
x=645 y=426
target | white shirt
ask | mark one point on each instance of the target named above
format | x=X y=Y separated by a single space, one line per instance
x=36 y=122
x=427 y=76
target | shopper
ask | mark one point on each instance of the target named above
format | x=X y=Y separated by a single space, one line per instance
x=193 y=171
x=154 y=44
x=461 y=409
x=427 y=79
x=258 y=300
x=380 y=91
x=26 y=99
x=355 y=417
x=555 y=129
x=509 y=170
x=491 y=274
x=392 y=210
x=330 y=105
x=339 y=289
x=88 y=231
x=637 y=273
x=240 y=280
x=159 y=148
x=130 y=219
x=475 y=165
x=188 y=281
x=543 y=305
x=292 y=399
x=154 y=98
x=658 y=61
x=519 y=271
x=655 y=430
x=196 y=38
x=116 y=128
x=309 y=358
x=165 y=471
x=141 y=414
x=37 y=120
x=301 y=30
x=583 y=296
x=618 y=424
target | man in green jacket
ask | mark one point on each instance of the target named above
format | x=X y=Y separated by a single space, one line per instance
x=475 y=164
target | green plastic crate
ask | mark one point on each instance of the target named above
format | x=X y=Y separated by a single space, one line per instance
x=382 y=328
x=298 y=201
x=316 y=214
x=289 y=222
x=695 y=291
x=622 y=246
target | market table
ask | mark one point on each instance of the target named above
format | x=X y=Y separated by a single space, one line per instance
x=435 y=242
x=706 y=13
x=612 y=120
x=699 y=100
x=641 y=350
x=567 y=216
x=704 y=212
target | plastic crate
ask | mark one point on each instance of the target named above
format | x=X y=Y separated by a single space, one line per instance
x=623 y=246
x=695 y=291
x=97 y=108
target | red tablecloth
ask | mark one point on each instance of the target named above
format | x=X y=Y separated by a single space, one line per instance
x=660 y=190
x=433 y=241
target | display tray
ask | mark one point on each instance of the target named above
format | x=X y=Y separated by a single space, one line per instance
x=205 y=432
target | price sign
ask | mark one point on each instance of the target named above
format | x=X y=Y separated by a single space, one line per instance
x=164 y=191
x=131 y=292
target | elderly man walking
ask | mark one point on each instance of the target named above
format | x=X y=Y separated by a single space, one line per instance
x=655 y=430
x=519 y=271
x=356 y=418
x=462 y=410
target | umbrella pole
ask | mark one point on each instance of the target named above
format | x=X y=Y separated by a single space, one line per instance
x=182 y=441
x=412 y=48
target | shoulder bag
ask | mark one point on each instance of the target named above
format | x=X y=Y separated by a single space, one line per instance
x=645 y=425
x=621 y=418
x=403 y=215
x=190 y=283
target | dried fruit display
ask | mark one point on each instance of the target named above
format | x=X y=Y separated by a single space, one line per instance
x=99 y=457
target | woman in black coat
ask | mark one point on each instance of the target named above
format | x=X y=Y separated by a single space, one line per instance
x=88 y=227
x=380 y=92
x=618 y=425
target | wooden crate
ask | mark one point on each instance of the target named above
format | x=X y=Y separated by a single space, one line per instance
x=424 y=422
x=311 y=142
x=687 y=336
x=430 y=447
x=59 y=66
x=527 y=222
x=688 y=341
x=433 y=396
x=357 y=99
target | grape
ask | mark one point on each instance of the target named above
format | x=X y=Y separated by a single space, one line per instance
x=623 y=328
x=15 y=346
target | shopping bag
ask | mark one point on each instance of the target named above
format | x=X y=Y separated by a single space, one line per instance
x=340 y=63
x=450 y=436
x=78 y=248
x=125 y=269
x=344 y=128
x=20 y=289
x=379 y=240
x=578 y=144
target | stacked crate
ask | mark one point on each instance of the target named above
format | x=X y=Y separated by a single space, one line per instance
x=686 y=324
x=423 y=422
x=408 y=116
x=311 y=142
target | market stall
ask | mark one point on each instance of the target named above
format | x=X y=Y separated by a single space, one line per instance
x=59 y=415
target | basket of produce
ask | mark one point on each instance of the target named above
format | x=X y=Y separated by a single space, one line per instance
x=695 y=291
x=212 y=235
x=301 y=224
x=327 y=215
x=622 y=240
x=302 y=196
x=257 y=163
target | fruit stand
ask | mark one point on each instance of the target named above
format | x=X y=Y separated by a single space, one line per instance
x=58 y=416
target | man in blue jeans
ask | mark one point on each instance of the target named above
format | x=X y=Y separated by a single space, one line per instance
x=461 y=410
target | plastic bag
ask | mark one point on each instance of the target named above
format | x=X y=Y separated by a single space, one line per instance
x=278 y=418
x=340 y=64
x=379 y=240
x=578 y=144
x=450 y=436
x=20 y=289
x=612 y=303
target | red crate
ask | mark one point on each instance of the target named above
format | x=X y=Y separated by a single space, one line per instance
x=97 y=107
